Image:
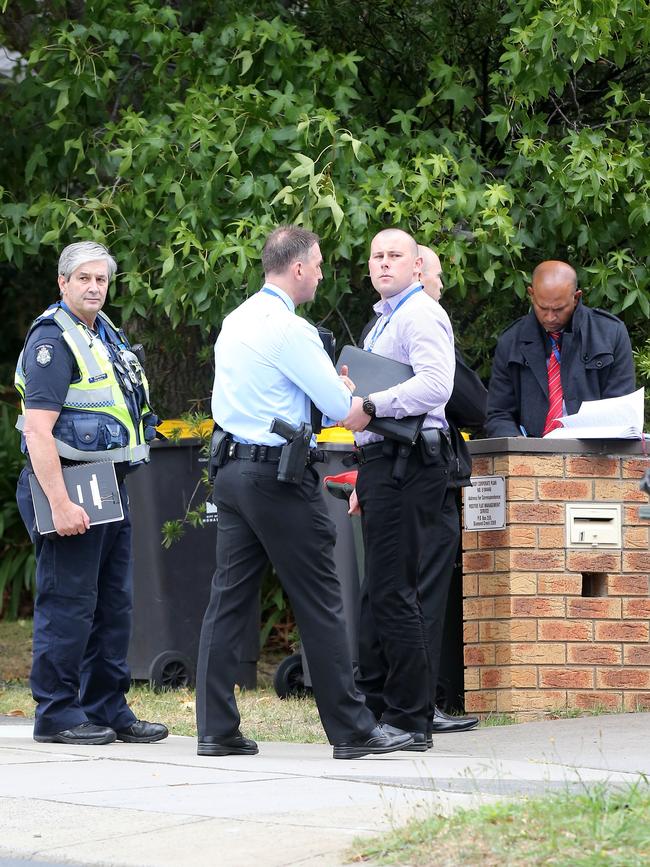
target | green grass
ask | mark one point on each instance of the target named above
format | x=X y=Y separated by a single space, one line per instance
x=498 y=719
x=598 y=827
x=264 y=716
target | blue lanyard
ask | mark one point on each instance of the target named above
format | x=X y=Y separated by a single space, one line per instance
x=271 y=292
x=377 y=331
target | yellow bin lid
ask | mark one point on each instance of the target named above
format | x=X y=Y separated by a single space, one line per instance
x=336 y=435
x=176 y=428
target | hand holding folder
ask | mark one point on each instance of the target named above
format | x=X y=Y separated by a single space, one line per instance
x=93 y=486
x=370 y=373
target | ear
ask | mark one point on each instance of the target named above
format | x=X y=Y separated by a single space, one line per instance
x=530 y=292
x=577 y=296
x=417 y=267
x=62 y=282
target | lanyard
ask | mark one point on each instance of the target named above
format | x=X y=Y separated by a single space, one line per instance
x=271 y=292
x=377 y=331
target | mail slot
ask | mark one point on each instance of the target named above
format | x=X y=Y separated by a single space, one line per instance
x=593 y=526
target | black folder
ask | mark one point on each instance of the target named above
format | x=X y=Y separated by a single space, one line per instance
x=93 y=486
x=371 y=372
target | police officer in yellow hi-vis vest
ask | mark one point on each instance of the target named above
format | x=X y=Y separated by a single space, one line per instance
x=85 y=398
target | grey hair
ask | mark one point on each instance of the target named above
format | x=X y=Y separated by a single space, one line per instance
x=76 y=254
x=285 y=245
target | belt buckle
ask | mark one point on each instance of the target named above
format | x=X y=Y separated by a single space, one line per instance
x=232 y=449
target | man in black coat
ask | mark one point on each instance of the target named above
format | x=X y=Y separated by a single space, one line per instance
x=593 y=349
x=466 y=408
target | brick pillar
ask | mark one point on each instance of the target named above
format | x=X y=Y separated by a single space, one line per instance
x=548 y=627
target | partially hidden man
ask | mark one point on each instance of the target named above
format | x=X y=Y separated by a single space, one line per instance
x=401 y=495
x=85 y=398
x=269 y=364
x=561 y=353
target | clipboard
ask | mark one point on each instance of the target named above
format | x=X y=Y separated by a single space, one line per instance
x=371 y=372
x=93 y=486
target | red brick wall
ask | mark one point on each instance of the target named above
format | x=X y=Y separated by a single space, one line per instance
x=533 y=642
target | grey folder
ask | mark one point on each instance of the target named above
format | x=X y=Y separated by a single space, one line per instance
x=371 y=372
x=92 y=486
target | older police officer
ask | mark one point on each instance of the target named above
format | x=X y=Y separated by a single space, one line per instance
x=85 y=398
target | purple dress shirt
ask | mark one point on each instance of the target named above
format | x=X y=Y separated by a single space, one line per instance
x=419 y=334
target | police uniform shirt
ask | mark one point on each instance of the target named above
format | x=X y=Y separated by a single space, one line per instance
x=269 y=363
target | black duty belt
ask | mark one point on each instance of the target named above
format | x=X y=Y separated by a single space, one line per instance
x=372 y=452
x=267 y=454
x=254 y=452
x=391 y=449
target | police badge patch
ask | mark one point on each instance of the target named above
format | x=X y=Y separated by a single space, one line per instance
x=44 y=354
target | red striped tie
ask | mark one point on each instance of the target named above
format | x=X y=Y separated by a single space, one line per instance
x=555 y=395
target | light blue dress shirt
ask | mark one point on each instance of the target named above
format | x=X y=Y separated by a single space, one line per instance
x=417 y=332
x=269 y=363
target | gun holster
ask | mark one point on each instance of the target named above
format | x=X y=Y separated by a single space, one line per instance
x=218 y=451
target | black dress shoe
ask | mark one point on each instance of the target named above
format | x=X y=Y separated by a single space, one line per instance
x=142 y=732
x=443 y=723
x=421 y=741
x=236 y=745
x=377 y=742
x=85 y=733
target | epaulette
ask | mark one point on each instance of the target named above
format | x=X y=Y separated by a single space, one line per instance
x=605 y=313
x=512 y=324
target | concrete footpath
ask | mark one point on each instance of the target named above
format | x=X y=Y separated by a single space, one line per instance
x=160 y=804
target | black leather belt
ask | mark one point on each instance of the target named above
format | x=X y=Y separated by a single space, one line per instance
x=254 y=452
x=372 y=452
x=267 y=454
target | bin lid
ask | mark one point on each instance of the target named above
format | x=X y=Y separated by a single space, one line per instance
x=174 y=428
x=336 y=435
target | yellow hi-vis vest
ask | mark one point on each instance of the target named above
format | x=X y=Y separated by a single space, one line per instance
x=98 y=392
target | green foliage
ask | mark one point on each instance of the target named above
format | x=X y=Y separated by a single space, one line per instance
x=17 y=564
x=179 y=138
x=500 y=133
x=193 y=426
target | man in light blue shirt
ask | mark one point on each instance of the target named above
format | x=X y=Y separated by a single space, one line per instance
x=270 y=364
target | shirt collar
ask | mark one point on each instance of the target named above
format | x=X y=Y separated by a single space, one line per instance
x=388 y=305
x=287 y=300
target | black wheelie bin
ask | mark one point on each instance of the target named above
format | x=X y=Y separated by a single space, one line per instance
x=171 y=586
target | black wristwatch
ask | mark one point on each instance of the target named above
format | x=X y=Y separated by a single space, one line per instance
x=368 y=407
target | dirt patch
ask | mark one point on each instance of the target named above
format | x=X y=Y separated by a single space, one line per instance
x=15 y=649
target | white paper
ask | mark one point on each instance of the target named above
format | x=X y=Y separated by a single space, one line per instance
x=610 y=418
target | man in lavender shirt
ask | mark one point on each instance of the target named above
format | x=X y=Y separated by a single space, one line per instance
x=399 y=503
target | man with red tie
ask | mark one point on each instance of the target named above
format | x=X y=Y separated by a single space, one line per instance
x=558 y=355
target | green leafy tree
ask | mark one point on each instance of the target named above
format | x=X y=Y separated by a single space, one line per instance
x=180 y=137
x=501 y=133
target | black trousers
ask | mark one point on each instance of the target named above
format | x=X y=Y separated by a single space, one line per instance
x=262 y=519
x=437 y=563
x=82 y=623
x=394 y=655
